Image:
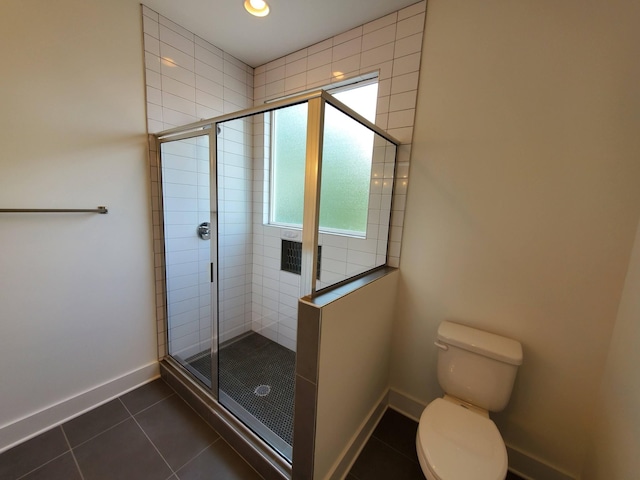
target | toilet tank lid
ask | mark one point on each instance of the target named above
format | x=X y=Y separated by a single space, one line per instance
x=485 y=343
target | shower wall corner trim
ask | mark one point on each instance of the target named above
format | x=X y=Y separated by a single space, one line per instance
x=311 y=214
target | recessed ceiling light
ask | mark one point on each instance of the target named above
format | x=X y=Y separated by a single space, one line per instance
x=259 y=8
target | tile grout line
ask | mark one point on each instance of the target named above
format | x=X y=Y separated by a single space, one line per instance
x=47 y=462
x=97 y=434
x=198 y=454
x=73 y=455
x=173 y=392
x=147 y=436
x=40 y=466
x=404 y=455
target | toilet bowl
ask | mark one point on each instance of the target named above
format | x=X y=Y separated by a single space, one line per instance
x=456 y=439
x=457 y=443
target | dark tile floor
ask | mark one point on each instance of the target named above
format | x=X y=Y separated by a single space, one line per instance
x=146 y=434
x=150 y=433
x=391 y=452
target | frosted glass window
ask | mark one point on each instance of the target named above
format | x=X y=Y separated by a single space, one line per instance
x=346 y=174
x=362 y=99
x=346 y=164
x=289 y=151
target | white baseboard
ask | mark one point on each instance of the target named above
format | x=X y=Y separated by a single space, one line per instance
x=531 y=468
x=348 y=456
x=16 y=432
x=520 y=463
x=406 y=404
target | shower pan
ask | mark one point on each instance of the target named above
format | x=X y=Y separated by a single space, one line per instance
x=260 y=208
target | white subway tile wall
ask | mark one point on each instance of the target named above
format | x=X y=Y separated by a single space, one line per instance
x=189 y=79
x=185 y=194
x=235 y=260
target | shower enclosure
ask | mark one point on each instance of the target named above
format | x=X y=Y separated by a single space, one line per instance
x=260 y=208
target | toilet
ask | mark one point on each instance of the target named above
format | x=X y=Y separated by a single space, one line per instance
x=456 y=439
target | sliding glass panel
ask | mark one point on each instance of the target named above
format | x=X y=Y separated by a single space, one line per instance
x=355 y=198
x=187 y=241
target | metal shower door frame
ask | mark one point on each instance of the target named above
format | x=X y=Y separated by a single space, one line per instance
x=184 y=134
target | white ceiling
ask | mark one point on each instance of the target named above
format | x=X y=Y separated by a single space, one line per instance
x=291 y=25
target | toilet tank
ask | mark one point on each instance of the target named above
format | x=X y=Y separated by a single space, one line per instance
x=477 y=366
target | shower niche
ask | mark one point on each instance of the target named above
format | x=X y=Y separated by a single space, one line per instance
x=306 y=178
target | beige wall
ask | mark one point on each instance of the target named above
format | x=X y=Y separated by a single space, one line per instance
x=76 y=296
x=523 y=202
x=616 y=438
x=353 y=369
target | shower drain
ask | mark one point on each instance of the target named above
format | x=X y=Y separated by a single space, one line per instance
x=262 y=390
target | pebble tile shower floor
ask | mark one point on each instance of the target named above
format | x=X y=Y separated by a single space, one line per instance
x=247 y=367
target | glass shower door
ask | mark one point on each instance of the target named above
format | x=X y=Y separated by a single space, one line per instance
x=257 y=310
x=189 y=239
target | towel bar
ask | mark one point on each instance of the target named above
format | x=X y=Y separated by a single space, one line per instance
x=100 y=209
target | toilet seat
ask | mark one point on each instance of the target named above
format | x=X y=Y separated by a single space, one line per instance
x=455 y=443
